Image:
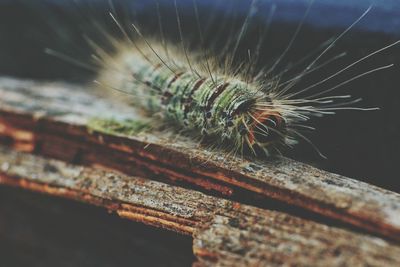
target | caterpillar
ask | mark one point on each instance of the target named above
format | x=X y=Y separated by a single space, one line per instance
x=227 y=109
x=216 y=100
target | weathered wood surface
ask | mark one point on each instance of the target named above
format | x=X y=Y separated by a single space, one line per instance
x=225 y=232
x=51 y=119
x=41 y=231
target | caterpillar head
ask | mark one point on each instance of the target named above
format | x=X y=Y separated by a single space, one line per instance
x=256 y=129
x=266 y=128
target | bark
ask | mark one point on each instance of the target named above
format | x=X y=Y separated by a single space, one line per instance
x=52 y=120
x=225 y=232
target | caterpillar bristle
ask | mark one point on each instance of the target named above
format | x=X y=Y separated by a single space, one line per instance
x=222 y=99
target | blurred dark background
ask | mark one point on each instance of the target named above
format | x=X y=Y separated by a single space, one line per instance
x=361 y=145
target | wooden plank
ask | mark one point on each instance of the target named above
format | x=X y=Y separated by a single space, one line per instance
x=224 y=232
x=52 y=119
x=145 y=198
x=38 y=230
x=265 y=238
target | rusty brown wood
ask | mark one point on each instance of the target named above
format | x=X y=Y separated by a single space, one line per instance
x=225 y=233
x=51 y=119
x=265 y=238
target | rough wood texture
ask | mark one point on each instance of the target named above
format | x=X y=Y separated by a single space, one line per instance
x=41 y=231
x=225 y=233
x=51 y=119
x=259 y=238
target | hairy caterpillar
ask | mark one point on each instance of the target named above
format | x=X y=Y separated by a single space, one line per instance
x=230 y=105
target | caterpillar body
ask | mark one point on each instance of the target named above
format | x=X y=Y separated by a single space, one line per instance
x=212 y=99
x=241 y=115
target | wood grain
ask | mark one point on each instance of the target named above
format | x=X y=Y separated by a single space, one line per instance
x=51 y=119
x=225 y=233
x=41 y=231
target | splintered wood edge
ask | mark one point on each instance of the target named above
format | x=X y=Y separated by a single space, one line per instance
x=51 y=119
x=225 y=233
